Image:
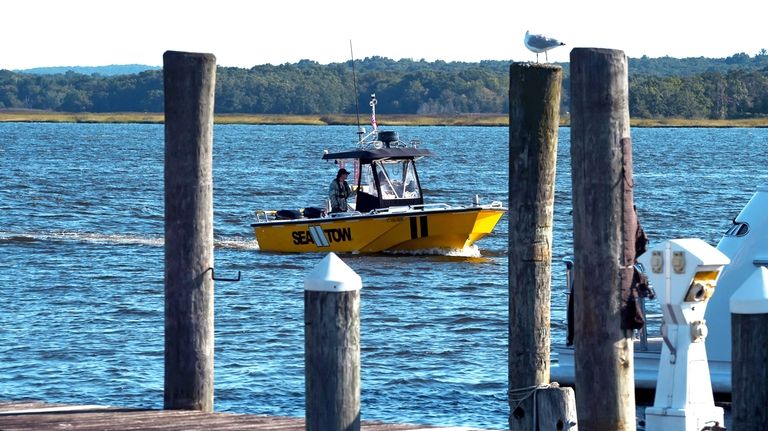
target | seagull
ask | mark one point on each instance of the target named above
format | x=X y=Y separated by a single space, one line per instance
x=540 y=43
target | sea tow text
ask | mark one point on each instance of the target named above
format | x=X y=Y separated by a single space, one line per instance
x=303 y=237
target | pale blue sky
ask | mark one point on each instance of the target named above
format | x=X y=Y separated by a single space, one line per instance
x=38 y=33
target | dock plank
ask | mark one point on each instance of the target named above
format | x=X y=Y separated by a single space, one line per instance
x=32 y=415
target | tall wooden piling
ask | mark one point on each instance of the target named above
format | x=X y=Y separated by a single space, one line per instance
x=599 y=137
x=332 y=346
x=534 y=116
x=189 y=81
x=749 y=342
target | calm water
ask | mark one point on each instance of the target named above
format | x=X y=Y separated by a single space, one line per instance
x=81 y=231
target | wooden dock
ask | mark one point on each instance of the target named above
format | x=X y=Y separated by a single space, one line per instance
x=17 y=416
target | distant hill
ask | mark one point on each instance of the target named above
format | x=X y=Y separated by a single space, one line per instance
x=111 y=70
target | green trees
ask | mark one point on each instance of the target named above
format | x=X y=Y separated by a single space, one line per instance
x=736 y=94
x=734 y=87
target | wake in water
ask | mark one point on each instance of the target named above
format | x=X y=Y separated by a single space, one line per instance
x=81 y=237
x=221 y=243
x=234 y=243
x=471 y=251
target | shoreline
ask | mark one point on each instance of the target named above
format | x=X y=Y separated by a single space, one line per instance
x=488 y=120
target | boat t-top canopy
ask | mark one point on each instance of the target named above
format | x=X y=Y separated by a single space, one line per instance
x=367 y=155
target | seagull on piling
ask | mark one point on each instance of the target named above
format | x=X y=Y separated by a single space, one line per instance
x=540 y=43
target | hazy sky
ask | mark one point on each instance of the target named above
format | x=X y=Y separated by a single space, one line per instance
x=36 y=33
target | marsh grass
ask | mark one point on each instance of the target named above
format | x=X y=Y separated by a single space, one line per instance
x=138 y=117
x=32 y=116
x=702 y=122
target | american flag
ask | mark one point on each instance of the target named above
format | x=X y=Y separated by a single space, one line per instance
x=373 y=121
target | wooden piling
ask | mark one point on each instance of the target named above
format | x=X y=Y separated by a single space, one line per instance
x=189 y=81
x=556 y=410
x=332 y=347
x=599 y=133
x=534 y=115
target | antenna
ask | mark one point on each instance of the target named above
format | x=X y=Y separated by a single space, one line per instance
x=357 y=100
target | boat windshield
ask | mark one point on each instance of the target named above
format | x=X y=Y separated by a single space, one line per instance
x=367 y=183
x=397 y=179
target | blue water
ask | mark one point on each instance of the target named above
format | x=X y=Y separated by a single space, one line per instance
x=81 y=235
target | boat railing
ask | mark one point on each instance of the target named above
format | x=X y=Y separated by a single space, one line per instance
x=430 y=207
x=368 y=140
x=344 y=214
x=263 y=216
x=406 y=208
x=493 y=204
x=436 y=206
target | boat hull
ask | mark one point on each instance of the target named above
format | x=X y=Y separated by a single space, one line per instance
x=392 y=230
x=646 y=368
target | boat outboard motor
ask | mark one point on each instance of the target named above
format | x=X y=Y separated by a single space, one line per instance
x=685 y=273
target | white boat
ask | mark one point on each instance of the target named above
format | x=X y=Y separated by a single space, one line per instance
x=745 y=245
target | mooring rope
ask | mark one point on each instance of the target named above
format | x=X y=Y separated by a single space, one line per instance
x=519 y=395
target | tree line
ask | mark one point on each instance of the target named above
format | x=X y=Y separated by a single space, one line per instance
x=734 y=87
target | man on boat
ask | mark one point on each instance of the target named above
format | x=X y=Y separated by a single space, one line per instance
x=339 y=191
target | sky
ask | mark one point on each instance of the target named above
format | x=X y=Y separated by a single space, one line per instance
x=240 y=33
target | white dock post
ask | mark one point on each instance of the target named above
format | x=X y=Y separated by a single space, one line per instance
x=332 y=346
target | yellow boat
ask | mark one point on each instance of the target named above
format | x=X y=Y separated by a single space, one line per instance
x=388 y=212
